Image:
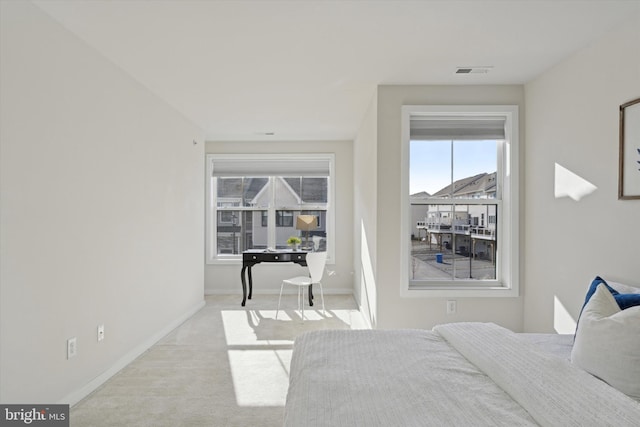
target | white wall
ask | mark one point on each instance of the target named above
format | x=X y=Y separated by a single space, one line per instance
x=267 y=278
x=101 y=213
x=364 y=205
x=572 y=121
x=394 y=311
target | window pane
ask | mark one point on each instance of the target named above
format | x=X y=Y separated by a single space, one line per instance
x=453 y=168
x=312 y=240
x=229 y=192
x=256 y=235
x=285 y=228
x=295 y=191
x=317 y=237
x=256 y=192
x=430 y=166
x=245 y=192
x=473 y=158
x=453 y=242
x=238 y=231
x=284 y=219
x=287 y=192
x=314 y=190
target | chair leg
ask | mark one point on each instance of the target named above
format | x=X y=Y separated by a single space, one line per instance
x=302 y=301
x=279 y=299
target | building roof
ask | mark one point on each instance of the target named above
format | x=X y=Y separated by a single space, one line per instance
x=235 y=187
x=423 y=195
x=314 y=190
x=484 y=183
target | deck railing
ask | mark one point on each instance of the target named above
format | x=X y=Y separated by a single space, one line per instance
x=466 y=229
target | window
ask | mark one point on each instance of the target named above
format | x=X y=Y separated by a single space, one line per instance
x=284 y=218
x=460 y=200
x=226 y=217
x=253 y=202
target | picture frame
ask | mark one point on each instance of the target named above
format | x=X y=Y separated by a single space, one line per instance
x=629 y=167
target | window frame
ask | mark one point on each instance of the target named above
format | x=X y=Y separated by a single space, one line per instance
x=212 y=257
x=507 y=265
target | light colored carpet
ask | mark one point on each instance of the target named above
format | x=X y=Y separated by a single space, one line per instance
x=226 y=366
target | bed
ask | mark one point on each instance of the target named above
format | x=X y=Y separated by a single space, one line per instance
x=459 y=374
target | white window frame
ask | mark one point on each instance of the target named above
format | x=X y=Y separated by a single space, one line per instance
x=507 y=265
x=212 y=257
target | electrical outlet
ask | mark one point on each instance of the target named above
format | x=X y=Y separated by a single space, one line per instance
x=72 y=347
x=100 y=332
x=452 y=306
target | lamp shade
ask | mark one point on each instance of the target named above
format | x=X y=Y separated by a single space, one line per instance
x=306 y=222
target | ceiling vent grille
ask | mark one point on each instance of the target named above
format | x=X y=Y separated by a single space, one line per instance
x=473 y=70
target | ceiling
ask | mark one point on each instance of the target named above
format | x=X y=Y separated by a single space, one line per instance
x=307 y=70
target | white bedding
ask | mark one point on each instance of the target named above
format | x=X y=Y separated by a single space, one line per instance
x=424 y=378
x=559 y=345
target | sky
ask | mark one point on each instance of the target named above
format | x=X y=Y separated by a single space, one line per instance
x=430 y=162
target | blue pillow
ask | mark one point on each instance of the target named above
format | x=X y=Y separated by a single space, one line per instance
x=594 y=286
x=624 y=300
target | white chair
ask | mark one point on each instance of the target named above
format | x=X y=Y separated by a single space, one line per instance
x=315 y=263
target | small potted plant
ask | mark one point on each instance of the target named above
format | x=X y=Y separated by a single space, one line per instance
x=294 y=241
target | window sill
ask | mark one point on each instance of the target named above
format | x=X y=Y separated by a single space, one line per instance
x=459 y=292
x=238 y=262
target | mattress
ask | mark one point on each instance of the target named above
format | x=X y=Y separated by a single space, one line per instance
x=456 y=375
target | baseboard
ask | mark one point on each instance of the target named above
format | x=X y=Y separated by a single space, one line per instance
x=91 y=386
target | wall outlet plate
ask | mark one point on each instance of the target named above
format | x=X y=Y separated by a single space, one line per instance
x=452 y=306
x=100 y=332
x=72 y=347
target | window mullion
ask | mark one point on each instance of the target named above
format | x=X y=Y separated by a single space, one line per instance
x=271 y=221
x=453 y=220
x=501 y=154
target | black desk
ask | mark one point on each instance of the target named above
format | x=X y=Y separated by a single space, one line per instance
x=253 y=257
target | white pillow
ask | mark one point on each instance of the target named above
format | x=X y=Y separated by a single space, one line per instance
x=607 y=343
x=624 y=289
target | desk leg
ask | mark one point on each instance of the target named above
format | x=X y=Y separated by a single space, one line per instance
x=244 y=285
x=250 y=283
x=311 y=295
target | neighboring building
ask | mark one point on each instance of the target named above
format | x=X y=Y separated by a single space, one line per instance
x=239 y=230
x=463 y=228
x=419 y=206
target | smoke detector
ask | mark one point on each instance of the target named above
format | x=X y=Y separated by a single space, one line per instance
x=482 y=69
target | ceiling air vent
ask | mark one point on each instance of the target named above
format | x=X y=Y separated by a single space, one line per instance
x=473 y=70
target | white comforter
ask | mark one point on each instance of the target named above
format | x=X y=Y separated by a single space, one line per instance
x=470 y=374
